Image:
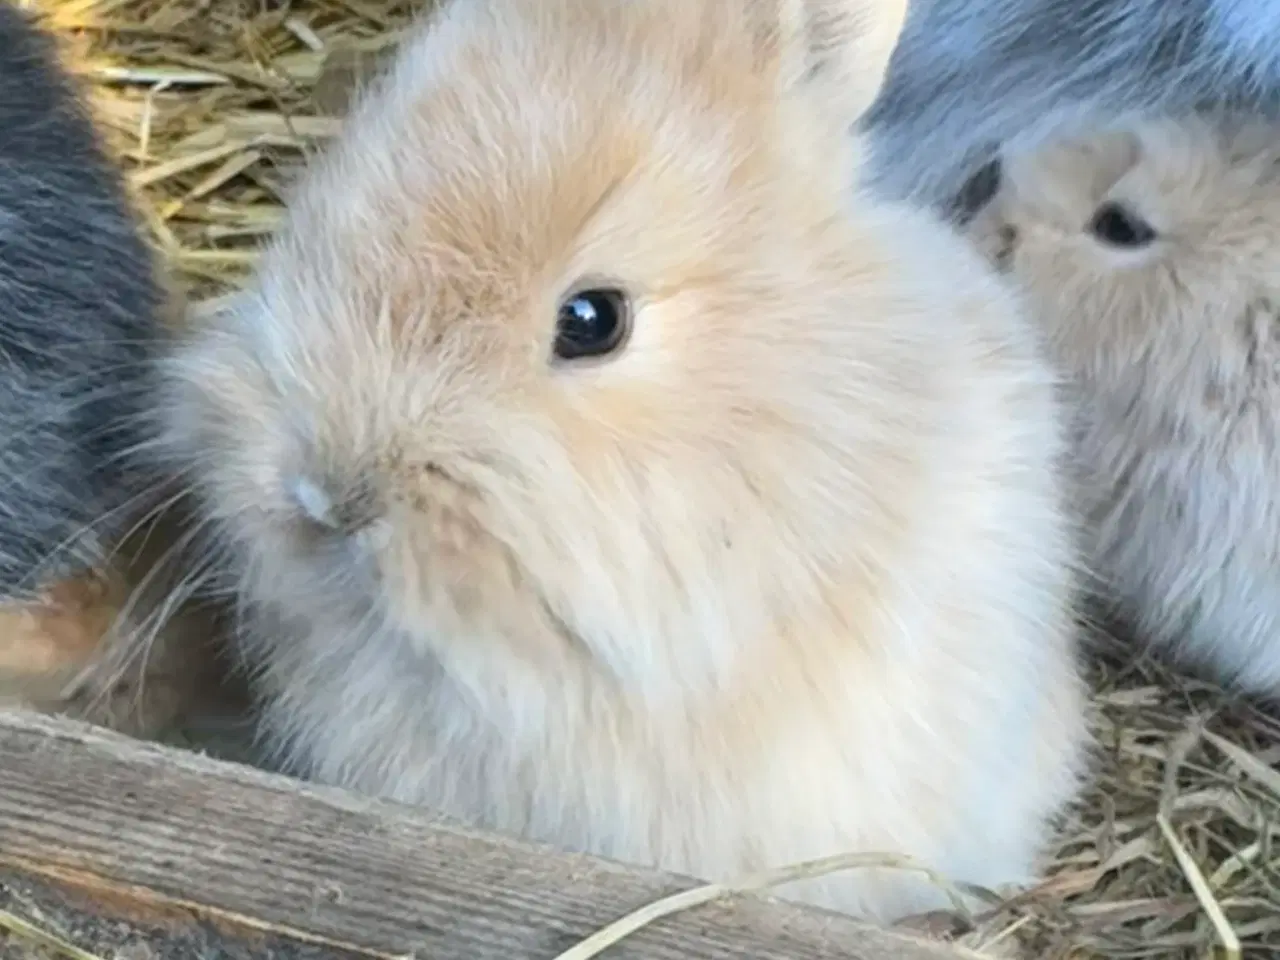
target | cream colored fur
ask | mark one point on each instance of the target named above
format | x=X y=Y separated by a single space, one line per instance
x=787 y=577
x=1174 y=352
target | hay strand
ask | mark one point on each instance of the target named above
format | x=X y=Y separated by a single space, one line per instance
x=1226 y=935
x=15 y=926
x=628 y=924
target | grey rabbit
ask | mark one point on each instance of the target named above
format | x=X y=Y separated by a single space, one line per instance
x=80 y=300
x=971 y=75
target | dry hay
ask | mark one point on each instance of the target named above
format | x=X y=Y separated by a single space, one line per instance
x=211 y=106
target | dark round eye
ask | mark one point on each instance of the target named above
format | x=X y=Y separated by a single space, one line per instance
x=592 y=323
x=977 y=191
x=1119 y=227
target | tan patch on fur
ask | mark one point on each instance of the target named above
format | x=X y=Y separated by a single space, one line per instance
x=43 y=643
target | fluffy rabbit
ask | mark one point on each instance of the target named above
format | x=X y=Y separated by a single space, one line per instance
x=602 y=469
x=81 y=306
x=79 y=301
x=1151 y=253
x=970 y=75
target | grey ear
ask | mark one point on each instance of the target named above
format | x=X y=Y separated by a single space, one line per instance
x=839 y=48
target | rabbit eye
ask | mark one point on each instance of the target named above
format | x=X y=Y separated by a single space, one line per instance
x=1115 y=225
x=592 y=323
x=978 y=191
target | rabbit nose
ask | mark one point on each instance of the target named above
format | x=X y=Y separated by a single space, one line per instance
x=347 y=514
x=315 y=502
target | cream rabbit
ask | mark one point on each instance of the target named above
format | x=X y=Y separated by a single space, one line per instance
x=604 y=470
x=1151 y=253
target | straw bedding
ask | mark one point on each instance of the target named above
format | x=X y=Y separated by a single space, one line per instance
x=212 y=105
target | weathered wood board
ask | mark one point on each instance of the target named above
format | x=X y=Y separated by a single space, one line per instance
x=212 y=859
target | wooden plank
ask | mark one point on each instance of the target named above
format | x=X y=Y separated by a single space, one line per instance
x=166 y=837
x=78 y=921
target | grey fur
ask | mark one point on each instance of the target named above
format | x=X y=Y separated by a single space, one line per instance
x=971 y=74
x=79 y=302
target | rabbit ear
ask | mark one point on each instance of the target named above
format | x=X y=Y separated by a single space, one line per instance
x=1073 y=172
x=839 y=49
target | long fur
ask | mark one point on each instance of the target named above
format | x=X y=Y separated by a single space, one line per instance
x=1174 y=360
x=971 y=75
x=786 y=576
x=78 y=307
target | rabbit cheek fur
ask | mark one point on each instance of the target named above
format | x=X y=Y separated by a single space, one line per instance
x=786 y=576
x=79 y=300
x=1173 y=353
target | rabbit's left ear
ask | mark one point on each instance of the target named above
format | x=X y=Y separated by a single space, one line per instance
x=838 y=51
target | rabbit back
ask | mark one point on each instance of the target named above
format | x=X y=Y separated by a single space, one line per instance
x=972 y=75
x=78 y=305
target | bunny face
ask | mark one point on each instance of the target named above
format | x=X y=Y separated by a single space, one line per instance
x=602 y=468
x=553 y=380
x=1144 y=245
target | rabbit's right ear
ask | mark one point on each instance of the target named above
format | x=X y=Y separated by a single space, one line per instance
x=837 y=51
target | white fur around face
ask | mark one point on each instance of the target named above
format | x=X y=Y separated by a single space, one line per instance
x=786 y=577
